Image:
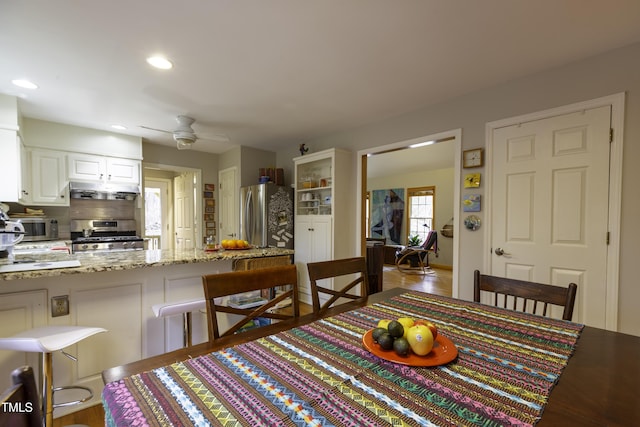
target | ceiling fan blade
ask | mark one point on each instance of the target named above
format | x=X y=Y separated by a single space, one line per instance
x=214 y=138
x=158 y=130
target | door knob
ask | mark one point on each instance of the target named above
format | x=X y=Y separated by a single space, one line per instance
x=500 y=252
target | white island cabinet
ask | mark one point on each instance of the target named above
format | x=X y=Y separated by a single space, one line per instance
x=114 y=291
x=324 y=213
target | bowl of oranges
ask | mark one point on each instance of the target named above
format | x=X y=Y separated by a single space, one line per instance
x=235 y=244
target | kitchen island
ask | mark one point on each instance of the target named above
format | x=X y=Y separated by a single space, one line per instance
x=113 y=290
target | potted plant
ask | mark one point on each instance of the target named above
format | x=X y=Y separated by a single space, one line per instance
x=413 y=240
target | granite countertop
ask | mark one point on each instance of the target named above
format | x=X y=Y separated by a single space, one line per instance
x=126 y=260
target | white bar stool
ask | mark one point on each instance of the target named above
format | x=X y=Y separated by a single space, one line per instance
x=46 y=340
x=185 y=307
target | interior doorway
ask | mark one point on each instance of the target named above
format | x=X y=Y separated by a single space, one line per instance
x=178 y=210
x=417 y=149
x=158 y=213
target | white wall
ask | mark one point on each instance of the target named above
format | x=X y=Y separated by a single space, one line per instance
x=58 y=136
x=607 y=74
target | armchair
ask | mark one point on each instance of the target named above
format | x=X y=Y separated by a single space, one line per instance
x=417 y=257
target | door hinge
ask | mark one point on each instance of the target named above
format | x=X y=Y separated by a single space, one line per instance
x=608 y=237
x=611 y=135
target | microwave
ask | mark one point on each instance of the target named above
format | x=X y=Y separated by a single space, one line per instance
x=39 y=228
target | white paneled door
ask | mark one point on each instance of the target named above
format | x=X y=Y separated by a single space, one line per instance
x=550 y=187
x=184 y=213
x=229 y=216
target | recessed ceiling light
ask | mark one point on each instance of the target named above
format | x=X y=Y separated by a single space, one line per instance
x=160 y=62
x=26 y=84
x=119 y=127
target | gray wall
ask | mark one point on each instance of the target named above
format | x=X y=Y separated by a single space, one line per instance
x=607 y=74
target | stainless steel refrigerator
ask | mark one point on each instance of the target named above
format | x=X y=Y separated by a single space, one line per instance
x=266 y=215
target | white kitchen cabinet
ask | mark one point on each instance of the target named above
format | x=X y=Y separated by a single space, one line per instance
x=13 y=165
x=48 y=178
x=88 y=167
x=313 y=242
x=324 y=217
x=24 y=184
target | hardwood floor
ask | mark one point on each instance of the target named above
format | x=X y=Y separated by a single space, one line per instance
x=92 y=416
x=438 y=283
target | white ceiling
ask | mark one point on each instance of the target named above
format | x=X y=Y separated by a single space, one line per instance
x=272 y=74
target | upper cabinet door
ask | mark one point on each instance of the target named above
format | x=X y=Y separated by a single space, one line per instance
x=123 y=170
x=86 y=167
x=48 y=178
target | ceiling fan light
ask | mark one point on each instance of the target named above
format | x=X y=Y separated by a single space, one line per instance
x=184 y=144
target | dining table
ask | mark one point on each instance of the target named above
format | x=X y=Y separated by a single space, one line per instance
x=489 y=367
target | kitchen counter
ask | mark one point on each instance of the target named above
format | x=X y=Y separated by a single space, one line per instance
x=92 y=262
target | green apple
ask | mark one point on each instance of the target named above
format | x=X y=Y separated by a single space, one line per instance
x=420 y=339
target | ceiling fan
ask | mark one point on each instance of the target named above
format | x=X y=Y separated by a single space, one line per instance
x=185 y=136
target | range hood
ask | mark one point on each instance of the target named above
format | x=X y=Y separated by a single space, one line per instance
x=104 y=191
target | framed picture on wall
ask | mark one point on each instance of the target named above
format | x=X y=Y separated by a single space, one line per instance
x=472 y=180
x=387 y=214
x=471 y=203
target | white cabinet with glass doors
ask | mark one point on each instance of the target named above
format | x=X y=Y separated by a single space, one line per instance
x=324 y=210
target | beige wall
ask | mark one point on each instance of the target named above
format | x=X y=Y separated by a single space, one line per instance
x=171 y=156
x=607 y=74
x=252 y=160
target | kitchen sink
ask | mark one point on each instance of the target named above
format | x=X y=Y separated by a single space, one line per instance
x=44 y=265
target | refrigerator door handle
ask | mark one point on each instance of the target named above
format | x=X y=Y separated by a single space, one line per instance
x=248 y=217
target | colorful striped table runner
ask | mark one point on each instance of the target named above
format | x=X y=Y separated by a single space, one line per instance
x=320 y=374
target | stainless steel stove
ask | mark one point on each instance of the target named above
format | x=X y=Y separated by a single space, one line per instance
x=104 y=235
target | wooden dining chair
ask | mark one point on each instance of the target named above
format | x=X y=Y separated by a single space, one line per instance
x=531 y=297
x=217 y=286
x=339 y=269
x=20 y=404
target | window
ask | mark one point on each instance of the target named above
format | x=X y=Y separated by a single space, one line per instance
x=420 y=214
x=152 y=212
